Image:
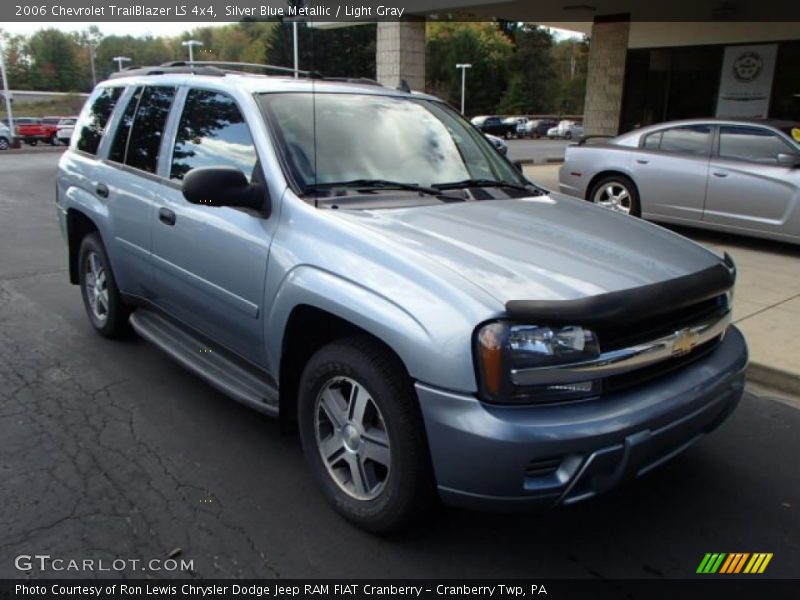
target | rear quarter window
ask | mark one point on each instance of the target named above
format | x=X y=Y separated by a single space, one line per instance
x=93 y=120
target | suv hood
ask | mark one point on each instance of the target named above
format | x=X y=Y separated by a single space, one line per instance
x=538 y=248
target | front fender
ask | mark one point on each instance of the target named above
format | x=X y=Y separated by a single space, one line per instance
x=426 y=360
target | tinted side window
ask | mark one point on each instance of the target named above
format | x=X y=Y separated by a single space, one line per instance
x=687 y=140
x=148 y=128
x=750 y=143
x=94 y=121
x=212 y=132
x=120 y=142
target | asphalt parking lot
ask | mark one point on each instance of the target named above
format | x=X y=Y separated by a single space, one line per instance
x=109 y=450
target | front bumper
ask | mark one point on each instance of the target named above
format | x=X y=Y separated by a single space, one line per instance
x=509 y=457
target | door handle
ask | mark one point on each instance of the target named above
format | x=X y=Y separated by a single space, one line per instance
x=720 y=174
x=641 y=161
x=166 y=216
x=101 y=190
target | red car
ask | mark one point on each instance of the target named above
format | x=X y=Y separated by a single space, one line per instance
x=33 y=130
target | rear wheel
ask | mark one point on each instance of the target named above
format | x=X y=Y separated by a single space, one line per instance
x=107 y=312
x=4 y=143
x=54 y=140
x=617 y=193
x=363 y=436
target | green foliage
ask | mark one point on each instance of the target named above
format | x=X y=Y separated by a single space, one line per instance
x=64 y=106
x=338 y=52
x=481 y=44
x=517 y=68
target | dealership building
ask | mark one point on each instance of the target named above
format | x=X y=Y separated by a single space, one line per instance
x=640 y=71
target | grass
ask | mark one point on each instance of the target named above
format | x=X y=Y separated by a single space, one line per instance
x=63 y=106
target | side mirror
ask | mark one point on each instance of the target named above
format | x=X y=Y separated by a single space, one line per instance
x=518 y=165
x=789 y=160
x=222 y=186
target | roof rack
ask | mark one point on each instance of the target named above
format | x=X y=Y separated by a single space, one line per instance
x=241 y=66
x=168 y=68
x=361 y=80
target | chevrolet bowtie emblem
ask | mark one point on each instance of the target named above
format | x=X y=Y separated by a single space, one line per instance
x=685 y=340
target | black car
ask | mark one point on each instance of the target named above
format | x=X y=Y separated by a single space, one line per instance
x=496 y=126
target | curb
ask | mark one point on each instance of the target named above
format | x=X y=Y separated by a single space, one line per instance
x=777 y=379
x=530 y=162
x=33 y=150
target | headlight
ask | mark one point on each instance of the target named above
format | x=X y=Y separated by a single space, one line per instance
x=504 y=347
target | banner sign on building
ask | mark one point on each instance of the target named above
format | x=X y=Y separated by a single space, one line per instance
x=746 y=82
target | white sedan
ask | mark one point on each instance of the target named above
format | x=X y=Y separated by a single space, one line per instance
x=65 y=129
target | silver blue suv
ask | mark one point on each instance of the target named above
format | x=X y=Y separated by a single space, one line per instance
x=362 y=263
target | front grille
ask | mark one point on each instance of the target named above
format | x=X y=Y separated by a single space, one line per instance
x=639 y=376
x=638 y=331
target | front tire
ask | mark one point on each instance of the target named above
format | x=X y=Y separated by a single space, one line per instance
x=363 y=436
x=617 y=193
x=107 y=312
x=4 y=145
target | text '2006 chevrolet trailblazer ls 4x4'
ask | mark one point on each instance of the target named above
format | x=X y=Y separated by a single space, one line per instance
x=362 y=262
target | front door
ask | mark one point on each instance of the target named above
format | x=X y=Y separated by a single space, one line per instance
x=747 y=188
x=210 y=263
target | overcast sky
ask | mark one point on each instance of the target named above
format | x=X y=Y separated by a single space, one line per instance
x=141 y=29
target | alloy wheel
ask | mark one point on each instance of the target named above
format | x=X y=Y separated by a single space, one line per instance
x=96 y=286
x=352 y=438
x=614 y=196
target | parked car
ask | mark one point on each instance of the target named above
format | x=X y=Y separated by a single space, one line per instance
x=498 y=143
x=65 y=128
x=6 y=139
x=479 y=120
x=516 y=125
x=33 y=130
x=432 y=322
x=567 y=130
x=497 y=126
x=537 y=128
x=738 y=176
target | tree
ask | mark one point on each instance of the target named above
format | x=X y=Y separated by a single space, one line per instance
x=532 y=85
x=481 y=44
x=54 y=61
x=339 y=52
x=570 y=59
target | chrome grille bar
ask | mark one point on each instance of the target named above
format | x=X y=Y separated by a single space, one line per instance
x=624 y=360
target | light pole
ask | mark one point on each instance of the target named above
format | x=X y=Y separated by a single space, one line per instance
x=92 y=56
x=191 y=44
x=7 y=94
x=294 y=43
x=463 y=67
x=120 y=60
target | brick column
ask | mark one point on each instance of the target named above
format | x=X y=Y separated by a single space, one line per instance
x=400 y=53
x=608 y=50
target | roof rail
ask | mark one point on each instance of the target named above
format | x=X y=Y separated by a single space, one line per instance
x=168 y=68
x=242 y=65
x=361 y=80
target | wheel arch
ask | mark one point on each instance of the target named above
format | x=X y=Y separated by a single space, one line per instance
x=607 y=173
x=79 y=225
x=309 y=328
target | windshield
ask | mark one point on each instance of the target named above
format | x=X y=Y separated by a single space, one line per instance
x=333 y=138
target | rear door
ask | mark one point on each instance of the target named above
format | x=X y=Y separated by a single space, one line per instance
x=210 y=263
x=670 y=169
x=128 y=174
x=747 y=188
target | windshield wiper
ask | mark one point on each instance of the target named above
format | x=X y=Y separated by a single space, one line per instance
x=484 y=183
x=385 y=184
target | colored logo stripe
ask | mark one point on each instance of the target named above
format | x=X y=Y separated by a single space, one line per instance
x=758 y=563
x=720 y=562
x=711 y=562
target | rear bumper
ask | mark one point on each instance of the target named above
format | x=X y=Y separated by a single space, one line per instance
x=527 y=457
